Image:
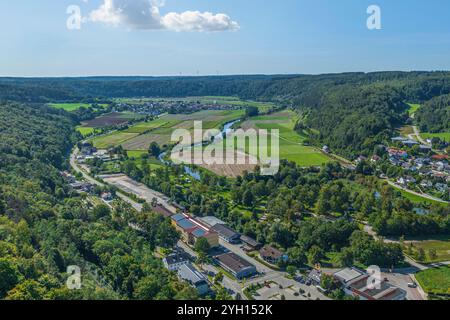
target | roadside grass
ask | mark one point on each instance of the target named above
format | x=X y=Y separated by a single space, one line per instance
x=435 y=281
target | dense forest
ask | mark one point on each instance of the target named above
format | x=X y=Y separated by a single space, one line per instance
x=350 y=112
x=434 y=115
x=45 y=227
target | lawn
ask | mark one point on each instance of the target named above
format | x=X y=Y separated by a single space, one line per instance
x=435 y=281
x=113 y=139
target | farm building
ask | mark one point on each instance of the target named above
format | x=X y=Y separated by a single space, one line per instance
x=237 y=266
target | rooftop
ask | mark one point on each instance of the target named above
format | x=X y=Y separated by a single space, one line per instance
x=188 y=273
x=250 y=241
x=211 y=221
x=348 y=274
x=224 y=231
x=175 y=258
x=234 y=262
x=271 y=252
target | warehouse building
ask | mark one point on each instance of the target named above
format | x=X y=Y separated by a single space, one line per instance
x=237 y=266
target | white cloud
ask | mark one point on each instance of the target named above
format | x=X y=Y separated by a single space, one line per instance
x=145 y=14
x=198 y=21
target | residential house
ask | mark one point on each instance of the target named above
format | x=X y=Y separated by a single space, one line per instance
x=272 y=255
x=175 y=260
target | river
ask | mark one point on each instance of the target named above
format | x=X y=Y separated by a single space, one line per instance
x=227 y=128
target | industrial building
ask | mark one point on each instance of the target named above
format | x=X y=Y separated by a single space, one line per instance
x=359 y=284
x=237 y=266
x=192 y=229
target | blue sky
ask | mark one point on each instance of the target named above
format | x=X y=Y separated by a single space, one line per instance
x=285 y=36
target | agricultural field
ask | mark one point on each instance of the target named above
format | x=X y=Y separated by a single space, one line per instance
x=292 y=146
x=435 y=281
x=85 y=131
x=111 y=119
x=160 y=130
x=73 y=106
x=112 y=139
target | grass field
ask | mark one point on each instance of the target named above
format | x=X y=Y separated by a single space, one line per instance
x=445 y=136
x=292 y=146
x=440 y=244
x=113 y=139
x=415 y=198
x=72 y=106
x=413 y=107
x=85 y=131
x=435 y=281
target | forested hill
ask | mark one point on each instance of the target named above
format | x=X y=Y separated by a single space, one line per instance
x=46 y=227
x=434 y=115
x=351 y=112
x=298 y=89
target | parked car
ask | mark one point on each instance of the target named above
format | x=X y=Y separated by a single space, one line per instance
x=412 y=285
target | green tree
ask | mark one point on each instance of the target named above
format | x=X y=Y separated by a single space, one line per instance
x=202 y=246
x=315 y=255
x=8 y=276
x=291 y=270
x=154 y=149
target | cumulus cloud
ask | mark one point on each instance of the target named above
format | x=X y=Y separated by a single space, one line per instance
x=145 y=14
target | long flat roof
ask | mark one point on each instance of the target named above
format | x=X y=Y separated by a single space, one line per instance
x=234 y=262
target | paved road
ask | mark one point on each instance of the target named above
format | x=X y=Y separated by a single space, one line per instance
x=419 y=138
